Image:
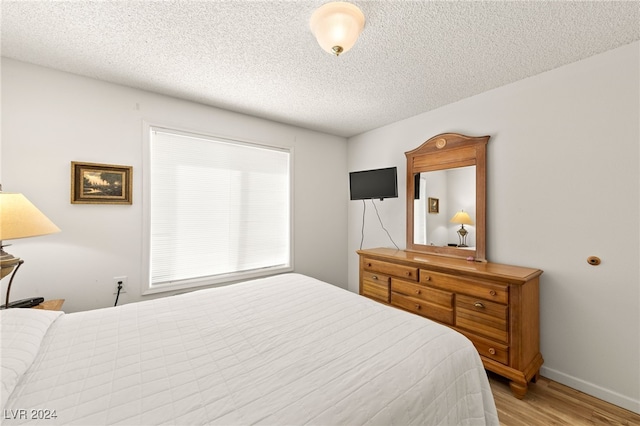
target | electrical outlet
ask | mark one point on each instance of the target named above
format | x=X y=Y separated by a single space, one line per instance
x=119 y=281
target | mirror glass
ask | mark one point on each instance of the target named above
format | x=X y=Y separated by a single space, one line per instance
x=441 y=195
x=446 y=196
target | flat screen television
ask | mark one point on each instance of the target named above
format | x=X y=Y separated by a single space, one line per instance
x=377 y=183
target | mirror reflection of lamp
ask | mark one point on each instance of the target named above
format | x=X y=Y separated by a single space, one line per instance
x=463 y=219
x=19 y=219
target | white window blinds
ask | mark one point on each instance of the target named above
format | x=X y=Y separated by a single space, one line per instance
x=219 y=208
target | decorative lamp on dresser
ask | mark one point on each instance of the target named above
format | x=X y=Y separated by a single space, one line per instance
x=441 y=278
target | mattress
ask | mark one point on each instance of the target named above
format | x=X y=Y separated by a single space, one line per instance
x=284 y=350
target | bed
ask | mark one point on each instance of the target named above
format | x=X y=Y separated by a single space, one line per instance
x=283 y=350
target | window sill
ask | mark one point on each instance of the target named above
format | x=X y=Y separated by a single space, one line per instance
x=215 y=281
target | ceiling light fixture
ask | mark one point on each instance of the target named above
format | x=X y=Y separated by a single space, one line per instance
x=337 y=26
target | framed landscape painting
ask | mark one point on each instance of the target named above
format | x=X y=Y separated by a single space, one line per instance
x=434 y=205
x=93 y=183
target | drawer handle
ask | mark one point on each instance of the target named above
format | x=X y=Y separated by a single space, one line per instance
x=478 y=305
x=374 y=277
x=427 y=278
x=418 y=307
x=408 y=273
x=493 y=292
x=369 y=265
x=418 y=291
x=492 y=351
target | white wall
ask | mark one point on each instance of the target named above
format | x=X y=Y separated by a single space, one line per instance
x=563 y=185
x=51 y=118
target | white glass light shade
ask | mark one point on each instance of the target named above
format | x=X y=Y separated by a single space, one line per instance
x=20 y=219
x=462 y=217
x=337 y=26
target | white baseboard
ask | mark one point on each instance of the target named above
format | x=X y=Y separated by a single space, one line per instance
x=589 y=388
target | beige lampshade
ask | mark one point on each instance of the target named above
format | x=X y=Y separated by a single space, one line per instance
x=337 y=26
x=21 y=219
x=462 y=217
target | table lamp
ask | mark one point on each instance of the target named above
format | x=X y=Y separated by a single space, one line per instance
x=463 y=219
x=19 y=219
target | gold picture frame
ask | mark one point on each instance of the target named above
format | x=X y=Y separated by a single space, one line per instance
x=434 y=205
x=94 y=183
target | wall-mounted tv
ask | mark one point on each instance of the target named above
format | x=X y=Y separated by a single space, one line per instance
x=377 y=183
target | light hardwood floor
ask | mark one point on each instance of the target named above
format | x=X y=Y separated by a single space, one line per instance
x=550 y=403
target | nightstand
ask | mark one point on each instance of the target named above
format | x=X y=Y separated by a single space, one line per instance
x=50 y=305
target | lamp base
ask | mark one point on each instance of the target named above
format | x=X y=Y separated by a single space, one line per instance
x=462 y=234
x=8 y=263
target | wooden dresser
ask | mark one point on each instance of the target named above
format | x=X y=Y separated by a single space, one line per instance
x=495 y=306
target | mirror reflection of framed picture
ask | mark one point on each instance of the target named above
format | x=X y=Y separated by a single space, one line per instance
x=93 y=183
x=434 y=205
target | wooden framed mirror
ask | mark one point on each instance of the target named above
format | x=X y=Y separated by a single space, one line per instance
x=446 y=196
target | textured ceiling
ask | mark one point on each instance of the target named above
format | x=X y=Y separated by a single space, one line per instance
x=260 y=58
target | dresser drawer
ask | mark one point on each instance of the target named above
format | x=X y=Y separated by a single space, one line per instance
x=489 y=349
x=376 y=278
x=482 y=317
x=406 y=272
x=376 y=286
x=476 y=288
x=424 y=308
x=422 y=292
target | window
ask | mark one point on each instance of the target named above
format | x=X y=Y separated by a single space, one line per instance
x=218 y=209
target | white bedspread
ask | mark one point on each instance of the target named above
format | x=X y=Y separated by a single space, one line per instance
x=285 y=350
